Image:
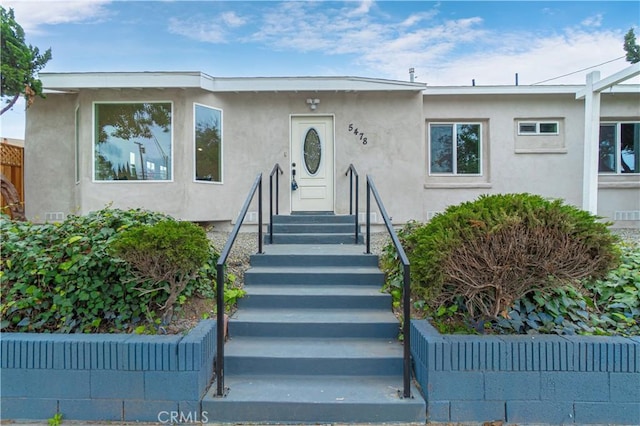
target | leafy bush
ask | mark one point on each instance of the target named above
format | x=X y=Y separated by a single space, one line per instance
x=61 y=277
x=607 y=306
x=168 y=253
x=488 y=253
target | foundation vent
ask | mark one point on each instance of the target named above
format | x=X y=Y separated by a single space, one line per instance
x=54 y=216
x=627 y=215
x=252 y=217
x=362 y=217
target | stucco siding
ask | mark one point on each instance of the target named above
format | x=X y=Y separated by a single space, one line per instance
x=551 y=166
x=49 y=177
x=256 y=133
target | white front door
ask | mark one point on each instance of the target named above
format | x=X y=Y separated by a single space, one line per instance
x=312 y=163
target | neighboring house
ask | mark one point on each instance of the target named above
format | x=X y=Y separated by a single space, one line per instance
x=191 y=145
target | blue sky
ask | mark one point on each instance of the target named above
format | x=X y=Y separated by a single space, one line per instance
x=447 y=42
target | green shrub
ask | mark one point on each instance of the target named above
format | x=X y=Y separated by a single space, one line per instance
x=62 y=278
x=488 y=253
x=608 y=306
x=168 y=253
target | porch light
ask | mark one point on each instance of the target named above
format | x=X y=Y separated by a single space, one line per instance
x=313 y=103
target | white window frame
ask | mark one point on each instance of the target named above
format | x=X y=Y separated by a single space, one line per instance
x=617 y=144
x=537 y=131
x=221 y=181
x=93 y=145
x=454 y=167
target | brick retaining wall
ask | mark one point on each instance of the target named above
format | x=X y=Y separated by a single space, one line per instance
x=117 y=377
x=527 y=379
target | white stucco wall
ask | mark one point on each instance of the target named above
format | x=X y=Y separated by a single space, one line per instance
x=256 y=132
x=552 y=167
x=256 y=135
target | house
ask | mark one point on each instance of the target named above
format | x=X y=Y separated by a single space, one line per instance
x=190 y=145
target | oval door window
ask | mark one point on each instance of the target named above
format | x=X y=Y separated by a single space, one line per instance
x=312 y=151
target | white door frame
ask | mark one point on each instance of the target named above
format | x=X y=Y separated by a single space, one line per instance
x=332 y=158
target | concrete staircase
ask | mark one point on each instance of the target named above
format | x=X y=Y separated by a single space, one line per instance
x=314 y=340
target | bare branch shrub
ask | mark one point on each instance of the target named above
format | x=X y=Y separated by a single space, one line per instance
x=493 y=251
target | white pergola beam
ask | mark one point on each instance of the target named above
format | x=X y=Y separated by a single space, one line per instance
x=591 y=136
x=612 y=80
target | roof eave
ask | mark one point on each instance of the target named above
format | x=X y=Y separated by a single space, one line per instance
x=65 y=82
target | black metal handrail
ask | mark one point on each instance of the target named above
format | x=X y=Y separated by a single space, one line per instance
x=352 y=172
x=275 y=171
x=406 y=291
x=257 y=185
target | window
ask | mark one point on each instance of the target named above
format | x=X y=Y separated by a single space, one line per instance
x=208 y=143
x=619 y=148
x=538 y=128
x=133 y=141
x=455 y=148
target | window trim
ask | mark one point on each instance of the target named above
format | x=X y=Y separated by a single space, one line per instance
x=93 y=145
x=221 y=182
x=454 y=156
x=618 y=142
x=537 y=131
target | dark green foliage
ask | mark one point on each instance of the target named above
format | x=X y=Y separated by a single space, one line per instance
x=168 y=253
x=607 y=306
x=62 y=278
x=631 y=48
x=493 y=251
x=20 y=62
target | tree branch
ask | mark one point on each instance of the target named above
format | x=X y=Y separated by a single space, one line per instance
x=10 y=104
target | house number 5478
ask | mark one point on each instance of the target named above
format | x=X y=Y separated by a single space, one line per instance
x=356 y=132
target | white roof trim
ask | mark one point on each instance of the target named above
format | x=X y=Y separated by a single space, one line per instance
x=123 y=80
x=612 y=80
x=520 y=90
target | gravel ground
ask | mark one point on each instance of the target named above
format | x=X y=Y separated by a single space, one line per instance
x=246 y=244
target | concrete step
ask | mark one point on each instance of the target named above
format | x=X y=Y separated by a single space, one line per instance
x=299 y=259
x=313 y=238
x=315 y=399
x=313 y=228
x=306 y=356
x=314 y=255
x=316 y=323
x=313 y=218
x=322 y=275
x=314 y=297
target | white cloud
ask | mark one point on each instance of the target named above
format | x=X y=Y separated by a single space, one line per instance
x=216 y=29
x=232 y=19
x=32 y=15
x=362 y=9
x=592 y=21
x=210 y=32
x=544 y=58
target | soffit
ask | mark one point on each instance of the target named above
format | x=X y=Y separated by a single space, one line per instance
x=71 y=82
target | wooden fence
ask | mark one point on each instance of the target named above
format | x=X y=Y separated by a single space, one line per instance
x=12 y=167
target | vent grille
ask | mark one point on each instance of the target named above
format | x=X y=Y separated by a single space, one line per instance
x=627 y=215
x=362 y=217
x=54 y=216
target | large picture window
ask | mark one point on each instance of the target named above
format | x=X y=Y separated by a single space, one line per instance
x=133 y=141
x=208 y=143
x=619 y=148
x=455 y=148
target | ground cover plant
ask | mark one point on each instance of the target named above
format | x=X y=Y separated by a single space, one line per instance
x=64 y=277
x=517 y=263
